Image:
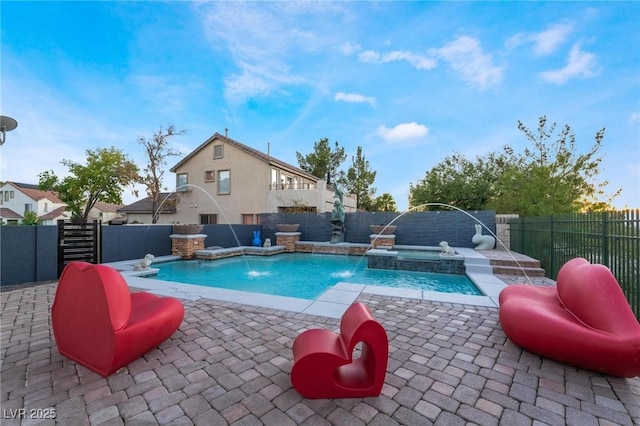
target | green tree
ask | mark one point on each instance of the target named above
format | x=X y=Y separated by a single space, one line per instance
x=323 y=162
x=457 y=181
x=106 y=173
x=551 y=177
x=358 y=180
x=157 y=150
x=385 y=203
x=30 y=218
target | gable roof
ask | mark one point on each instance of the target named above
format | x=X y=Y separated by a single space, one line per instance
x=6 y=213
x=146 y=204
x=261 y=155
x=107 y=207
x=55 y=214
x=34 y=192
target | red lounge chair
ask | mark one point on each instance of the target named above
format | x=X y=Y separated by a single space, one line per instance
x=100 y=325
x=323 y=364
x=585 y=320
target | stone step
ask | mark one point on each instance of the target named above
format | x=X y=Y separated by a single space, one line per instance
x=519 y=271
x=531 y=263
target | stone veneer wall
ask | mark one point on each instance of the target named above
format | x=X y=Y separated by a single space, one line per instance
x=503 y=230
x=186 y=246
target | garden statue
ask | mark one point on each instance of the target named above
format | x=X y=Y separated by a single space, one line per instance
x=144 y=263
x=337 y=216
x=446 y=250
x=484 y=242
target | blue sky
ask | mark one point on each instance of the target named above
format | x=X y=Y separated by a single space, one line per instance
x=410 y=82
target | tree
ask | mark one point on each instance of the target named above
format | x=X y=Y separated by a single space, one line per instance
x=323 y=162
x=358 y=180
x=107 y=172
x=157 y=150
x=385 y=203
x=551 y=177
x=459 y=182
x=30 y=218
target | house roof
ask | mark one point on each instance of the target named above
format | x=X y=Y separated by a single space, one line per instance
x=106 y=207
x=34 y=192
x=145 y=205
x=6 y=213
x=55 y=214
x=261 y=155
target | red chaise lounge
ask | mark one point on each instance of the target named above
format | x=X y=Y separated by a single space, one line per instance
x=99 y=324
x=323 y=364
x=585 y=320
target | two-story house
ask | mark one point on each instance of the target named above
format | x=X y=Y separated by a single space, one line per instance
x=18 y=198
x=225 y=181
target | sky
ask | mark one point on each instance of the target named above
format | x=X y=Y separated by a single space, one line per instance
x=410 y=82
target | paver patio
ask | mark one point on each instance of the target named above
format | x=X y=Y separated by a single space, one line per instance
x=228 y=363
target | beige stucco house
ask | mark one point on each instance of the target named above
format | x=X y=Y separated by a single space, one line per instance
x=225 y=181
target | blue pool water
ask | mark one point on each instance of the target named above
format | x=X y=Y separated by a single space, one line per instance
x=302 y=275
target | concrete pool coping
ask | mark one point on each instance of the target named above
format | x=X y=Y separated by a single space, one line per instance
x=332 y=303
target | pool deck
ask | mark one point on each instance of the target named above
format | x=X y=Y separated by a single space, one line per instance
x=229 y=364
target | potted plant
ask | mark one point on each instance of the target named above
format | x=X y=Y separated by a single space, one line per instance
x=383 y=229
x=287 y=227
x=187 y=228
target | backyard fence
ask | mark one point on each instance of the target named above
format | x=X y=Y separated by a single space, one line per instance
x=609 y=238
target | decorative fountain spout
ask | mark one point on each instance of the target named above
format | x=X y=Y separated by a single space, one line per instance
x=337 y=217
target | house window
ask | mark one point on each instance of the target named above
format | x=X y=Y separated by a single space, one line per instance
x=218 y=151
x=6 y=195
x=181 y=182
x=28 y=207
x=46 y=207
x=209 y=176
x=12 y=194
x=224 y=182
x=250 y=219
x=208 y=219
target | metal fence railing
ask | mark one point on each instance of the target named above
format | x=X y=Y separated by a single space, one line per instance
x=610 y=238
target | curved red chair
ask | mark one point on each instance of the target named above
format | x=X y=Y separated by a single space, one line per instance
x=99 y=324
x=585 y=320
x=323 y=364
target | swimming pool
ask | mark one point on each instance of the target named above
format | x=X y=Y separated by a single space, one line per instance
x=302 y=275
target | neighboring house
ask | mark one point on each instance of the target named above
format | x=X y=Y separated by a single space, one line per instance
x=141 y=210
x=18 y=198
x=225 y=181
x=105 y=212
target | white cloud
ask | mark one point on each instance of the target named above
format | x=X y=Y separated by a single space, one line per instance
x=261 y=40
x=544 y=42
x=403 y=131
x=580 y=64
x=354 y=98
x=417 y=61
x=350 y=48
x=634 y=118
x=465 y=56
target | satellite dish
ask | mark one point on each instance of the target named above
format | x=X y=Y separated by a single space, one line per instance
x=7 y=124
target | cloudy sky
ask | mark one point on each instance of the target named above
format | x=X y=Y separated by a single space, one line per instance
x=410 y=82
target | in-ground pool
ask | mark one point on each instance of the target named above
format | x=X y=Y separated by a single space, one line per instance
x=303 y=275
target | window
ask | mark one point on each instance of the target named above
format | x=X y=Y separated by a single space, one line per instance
x=181 y=182
x=6 y=195
x=209 y=176
x=208 y=219
x=12 y=194
x=224 y=182
x=28 y=207
x=218 y=151
x=250 y=219
x=46 y=207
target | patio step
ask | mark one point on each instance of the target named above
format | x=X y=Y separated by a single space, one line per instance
x=518 y=267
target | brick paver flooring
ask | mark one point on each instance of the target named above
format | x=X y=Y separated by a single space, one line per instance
x=229 y=364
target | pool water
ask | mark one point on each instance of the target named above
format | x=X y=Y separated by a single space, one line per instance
x=302 y=275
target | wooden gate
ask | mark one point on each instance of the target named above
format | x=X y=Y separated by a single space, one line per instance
x=80 y=242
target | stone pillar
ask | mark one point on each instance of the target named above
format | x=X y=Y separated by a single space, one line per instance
x=382 y=240
x=288 y=240
x=186 y=245
x=503 y=230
